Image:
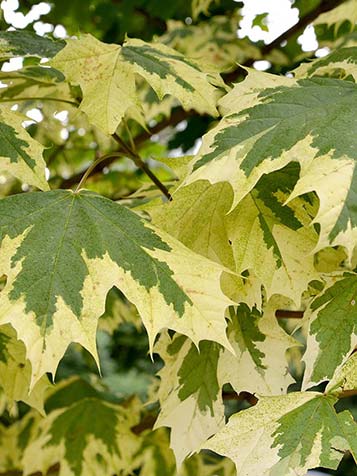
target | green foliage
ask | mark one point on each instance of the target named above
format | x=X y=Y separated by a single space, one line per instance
x=233 y=266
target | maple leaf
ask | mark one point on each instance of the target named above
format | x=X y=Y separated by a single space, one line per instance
x=189 y=394
x=305 y=122
x=20 y=155
x=63 y=251
x=106 y=74
x=192 y=378
x=340 y=63
x=15 y=372
x=25 y=43
x=345 y=378
x=332 y=333
x=262 y=235
x=88 y=437
x=287 y=435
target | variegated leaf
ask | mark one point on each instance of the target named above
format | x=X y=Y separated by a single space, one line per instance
x=25 y=43
x=89 y=437
x=15 y=371
x=106 y=74
x=286 y=436
x=345 y=379
x=62 y=252
x=192 y=378
x=332 y=336
x=261 y=235
x=341 y=63
x=305 y=122
x=190 y=393
x=20 y=155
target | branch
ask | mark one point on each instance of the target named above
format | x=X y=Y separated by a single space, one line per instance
x=283 y=314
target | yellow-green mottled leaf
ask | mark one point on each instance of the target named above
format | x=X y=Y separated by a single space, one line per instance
x=89 y=437
x=20 y=155
x=15 y=371
x=192 y=379
x=286 y=436
x=262 y=235
x=13 y=441
x=63 y=251
x=190 y=393
x=340 y=63
x=106 y=74
x=332 y=336
x=345 y=379
x=213 y=43
x=347 y=11
x=25 y=43
x=271 y=240
x=260 y=344
x=310 y=122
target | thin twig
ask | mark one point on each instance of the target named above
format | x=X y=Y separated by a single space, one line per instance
x=132 y=154
x=92 y=167
x=39 y=98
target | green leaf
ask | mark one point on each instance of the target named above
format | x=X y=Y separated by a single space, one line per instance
x=25 y=43
x=106 y=74
x=332 y=330
x=304 y=122
x=15 y=372
x=20 y=155
x=287 y=435
x=91 y=436
x=63 y=251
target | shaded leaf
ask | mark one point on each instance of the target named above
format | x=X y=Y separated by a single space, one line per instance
x=15 y=372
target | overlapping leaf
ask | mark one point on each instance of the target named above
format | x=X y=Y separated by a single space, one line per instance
x=192 y=379
x=63 y=251
x=20 y=155
x=190 y=393
x=332 y=330
x=106 y=74
x=311 y=122
x=345 y=379
x=261 y=235
x=287 y=436
x=15 y=371
x=91 y=436
x=13 y=441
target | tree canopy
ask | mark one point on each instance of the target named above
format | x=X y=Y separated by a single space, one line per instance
x=178 y=236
